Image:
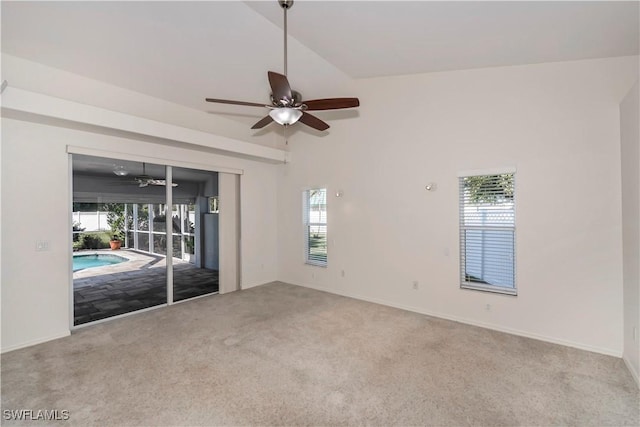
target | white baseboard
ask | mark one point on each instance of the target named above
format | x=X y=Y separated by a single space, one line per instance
x=553 y=340
x=34 y=342
x=245 y=286
x=634 y=373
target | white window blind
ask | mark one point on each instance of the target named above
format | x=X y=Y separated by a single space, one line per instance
x=487 y=232
x=315 y=221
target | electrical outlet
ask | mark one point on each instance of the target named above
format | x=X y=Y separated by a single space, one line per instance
x=416 y=285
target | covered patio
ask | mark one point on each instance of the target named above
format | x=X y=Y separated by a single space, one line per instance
x=153 y=211
x=140 y=282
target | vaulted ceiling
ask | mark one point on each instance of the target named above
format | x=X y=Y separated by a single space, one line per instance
x=382 y=38
x=185 y=51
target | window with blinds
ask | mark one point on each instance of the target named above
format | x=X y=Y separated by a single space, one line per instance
x=487 y=232
x=315 y=222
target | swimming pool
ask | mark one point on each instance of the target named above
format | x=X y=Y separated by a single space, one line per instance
x=81 y=262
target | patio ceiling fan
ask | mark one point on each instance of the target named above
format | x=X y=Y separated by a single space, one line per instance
x=145 y=180
x=287 y=106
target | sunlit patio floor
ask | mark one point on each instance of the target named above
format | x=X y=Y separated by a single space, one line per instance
x=138 y=283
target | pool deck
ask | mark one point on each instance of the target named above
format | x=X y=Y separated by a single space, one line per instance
x=101 y=292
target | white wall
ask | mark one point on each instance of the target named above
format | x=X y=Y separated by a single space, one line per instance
x=24 y=74
x=35 y=202
x=229 y=235
x=630 y=155
x=558 y=124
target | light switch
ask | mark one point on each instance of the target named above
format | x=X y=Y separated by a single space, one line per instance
x=42 y=245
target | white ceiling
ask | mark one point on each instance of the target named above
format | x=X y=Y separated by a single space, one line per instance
x=186 y=51
x=383 y=38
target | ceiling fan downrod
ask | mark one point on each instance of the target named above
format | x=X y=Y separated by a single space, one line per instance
x=285 y=5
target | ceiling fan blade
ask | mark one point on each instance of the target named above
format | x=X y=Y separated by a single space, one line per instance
x=280 y=88
x=331 y=103
x=262 y=123
x=313 y=121
x=227 y=101
x=160 y=182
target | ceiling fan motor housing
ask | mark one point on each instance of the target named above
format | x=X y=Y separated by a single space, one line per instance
x=294 y=101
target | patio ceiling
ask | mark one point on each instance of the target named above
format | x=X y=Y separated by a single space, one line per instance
x=94 y=181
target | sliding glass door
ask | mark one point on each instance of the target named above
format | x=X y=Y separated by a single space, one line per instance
x=126 y=202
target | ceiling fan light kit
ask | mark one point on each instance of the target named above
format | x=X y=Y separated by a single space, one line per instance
x=287 y=106
x=285 y=116
x=120 y=170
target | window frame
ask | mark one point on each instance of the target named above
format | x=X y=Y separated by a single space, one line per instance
x=471 y=285
x=307 y=224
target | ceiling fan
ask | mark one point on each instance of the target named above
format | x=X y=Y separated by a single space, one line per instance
x=145 y=180
x=287 y=106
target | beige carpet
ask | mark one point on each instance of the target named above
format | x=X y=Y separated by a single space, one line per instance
x=285 y=355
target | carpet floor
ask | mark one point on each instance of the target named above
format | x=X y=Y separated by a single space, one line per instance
x=285 y=355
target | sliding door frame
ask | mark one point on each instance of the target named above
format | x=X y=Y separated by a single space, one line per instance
x=168 y=164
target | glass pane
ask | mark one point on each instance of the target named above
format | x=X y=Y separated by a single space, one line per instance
x=160 y=244
x=109 y=282
x=143 y=217
x=176 y=216
x=177 y=246
x=318 y=243
x=159 y=219
x=143 y=242
x=130 y=240
x=489 y=257
x=316 y=218
x=195 y=240
x=190 y=218
x=189 y=242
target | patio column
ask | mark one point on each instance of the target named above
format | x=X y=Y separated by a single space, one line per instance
x=168 y=212
x=183 y=214
x=135 y=226
x=150 y=209
x=126 y=225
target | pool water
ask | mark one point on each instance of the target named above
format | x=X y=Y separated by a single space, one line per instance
x=82 y=262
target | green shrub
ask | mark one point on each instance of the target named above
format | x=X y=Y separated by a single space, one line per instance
x=97 y=240
x=115 y=219
x=76 y=236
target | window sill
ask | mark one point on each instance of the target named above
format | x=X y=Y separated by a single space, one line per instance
x=489 y=288
x=316 y=263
